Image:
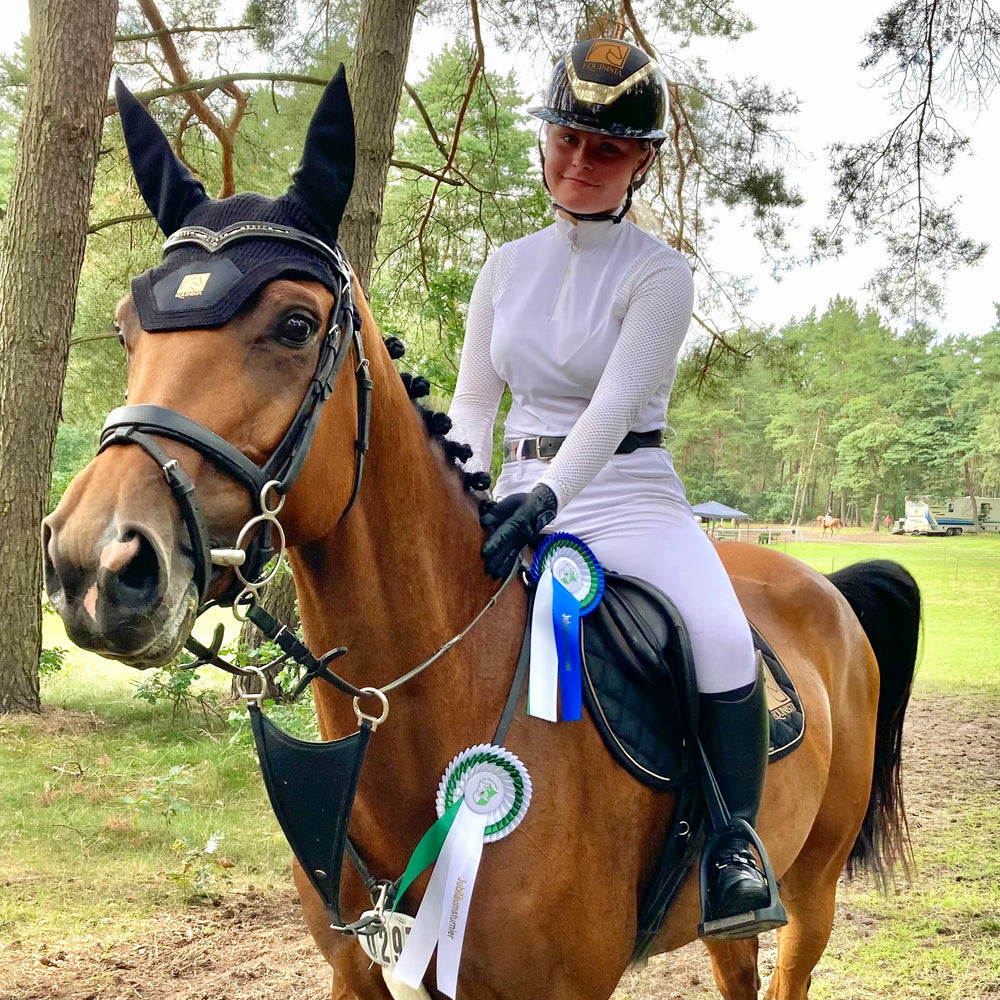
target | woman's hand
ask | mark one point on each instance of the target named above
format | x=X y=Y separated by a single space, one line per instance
x=515 y=522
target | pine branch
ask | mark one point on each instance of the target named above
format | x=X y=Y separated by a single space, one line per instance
x=107 y=223
x=208 y=84
x=440 y=178
x=144 y=36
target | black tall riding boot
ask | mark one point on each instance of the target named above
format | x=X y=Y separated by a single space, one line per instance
x=737 y=891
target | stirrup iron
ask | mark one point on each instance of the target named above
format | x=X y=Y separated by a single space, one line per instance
x=739 y=925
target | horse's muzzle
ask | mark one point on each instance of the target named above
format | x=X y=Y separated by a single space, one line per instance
x=116 y=592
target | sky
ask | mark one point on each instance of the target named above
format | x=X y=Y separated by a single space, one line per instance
x=840 y=101
x=819 y=61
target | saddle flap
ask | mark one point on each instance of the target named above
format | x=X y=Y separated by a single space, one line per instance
x=644 y=631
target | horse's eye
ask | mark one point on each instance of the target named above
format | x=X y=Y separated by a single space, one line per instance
x=296 y=329
x=119 y=335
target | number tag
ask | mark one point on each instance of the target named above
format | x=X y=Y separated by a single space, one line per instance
x=385 y=944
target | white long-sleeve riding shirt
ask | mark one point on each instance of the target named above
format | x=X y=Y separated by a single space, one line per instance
x=584 y=322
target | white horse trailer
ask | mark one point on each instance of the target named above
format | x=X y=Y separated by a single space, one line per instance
x=954 y=516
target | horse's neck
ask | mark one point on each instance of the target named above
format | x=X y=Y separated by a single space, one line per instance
x=401 y=574
x=398 y=578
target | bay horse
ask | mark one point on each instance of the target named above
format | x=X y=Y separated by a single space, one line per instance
x=386 y=562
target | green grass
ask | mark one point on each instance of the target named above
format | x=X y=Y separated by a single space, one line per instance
x=75 y=858
x=77 y=862
x=88 y=678
x=959 y=581
x=938 y=936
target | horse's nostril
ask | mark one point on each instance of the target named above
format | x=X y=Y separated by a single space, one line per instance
x=59 y=575
x=48 y=565
x=134 y=576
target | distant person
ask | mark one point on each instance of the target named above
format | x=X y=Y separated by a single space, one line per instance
x=886 y=521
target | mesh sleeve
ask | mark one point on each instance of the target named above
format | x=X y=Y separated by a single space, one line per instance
x=479 y=388
x=659 y=297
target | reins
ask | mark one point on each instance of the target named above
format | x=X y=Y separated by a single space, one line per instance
x=318 y=668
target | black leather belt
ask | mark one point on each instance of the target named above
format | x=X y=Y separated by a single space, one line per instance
x=546 y=447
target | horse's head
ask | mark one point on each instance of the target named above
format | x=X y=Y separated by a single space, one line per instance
x=234 y=342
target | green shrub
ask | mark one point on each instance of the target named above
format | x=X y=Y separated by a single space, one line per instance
x=50 y=661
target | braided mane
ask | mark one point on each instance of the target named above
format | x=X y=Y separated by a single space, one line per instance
x=437 y=424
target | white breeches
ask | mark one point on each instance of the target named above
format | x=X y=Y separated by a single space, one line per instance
x=636 y=520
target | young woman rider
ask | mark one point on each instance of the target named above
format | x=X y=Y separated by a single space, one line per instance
x=584 y=321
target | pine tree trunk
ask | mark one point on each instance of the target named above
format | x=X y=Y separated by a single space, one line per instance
x=805 y=472
x=877 y=516
x=42 y=240
x=971 y=494
x=812 y=454
x=375 y=80
x=796 y=517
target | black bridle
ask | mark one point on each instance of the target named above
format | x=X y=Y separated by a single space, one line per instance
x=138 y=424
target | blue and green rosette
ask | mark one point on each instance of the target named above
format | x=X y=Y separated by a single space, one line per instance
x=569 y=583
x=482 y=798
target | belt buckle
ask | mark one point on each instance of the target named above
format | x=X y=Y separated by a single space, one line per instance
x=516 y=449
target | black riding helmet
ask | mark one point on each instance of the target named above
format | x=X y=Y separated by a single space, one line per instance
x=611 y=87
x=608 y=86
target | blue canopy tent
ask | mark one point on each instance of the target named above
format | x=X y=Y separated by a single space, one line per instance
x=713 y=512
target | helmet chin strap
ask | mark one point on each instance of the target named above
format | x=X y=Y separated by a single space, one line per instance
x=597 y=216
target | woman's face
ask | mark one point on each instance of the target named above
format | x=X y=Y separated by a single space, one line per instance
x=587 y=172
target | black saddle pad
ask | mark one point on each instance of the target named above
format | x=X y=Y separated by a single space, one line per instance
x=638 y=681
x=639 y=686
x=788 y=720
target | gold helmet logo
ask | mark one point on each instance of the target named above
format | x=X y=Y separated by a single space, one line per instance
x=608 y=55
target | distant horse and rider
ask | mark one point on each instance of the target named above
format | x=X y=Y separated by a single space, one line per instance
x=235 y=413
x=829 y=523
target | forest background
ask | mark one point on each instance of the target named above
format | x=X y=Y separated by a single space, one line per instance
x=848 y=407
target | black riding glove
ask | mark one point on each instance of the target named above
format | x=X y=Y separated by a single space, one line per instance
x=514 y=527
x=493 y=513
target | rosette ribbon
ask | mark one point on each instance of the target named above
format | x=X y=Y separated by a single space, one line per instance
x=482 y=797
x=569 y=583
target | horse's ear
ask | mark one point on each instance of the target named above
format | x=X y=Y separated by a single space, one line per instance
x=166 y=185
x=323 y=181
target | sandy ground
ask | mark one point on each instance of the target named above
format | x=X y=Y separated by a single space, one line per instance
x=255 y=947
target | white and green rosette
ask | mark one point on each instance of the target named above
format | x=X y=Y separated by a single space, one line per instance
x=483 y=796
x=569 y=583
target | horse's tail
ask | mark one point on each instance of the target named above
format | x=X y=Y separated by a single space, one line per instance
x=886 y=600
